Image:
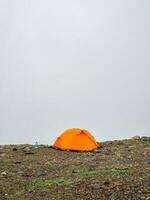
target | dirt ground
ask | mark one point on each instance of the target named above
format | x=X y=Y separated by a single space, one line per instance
x=118 y=170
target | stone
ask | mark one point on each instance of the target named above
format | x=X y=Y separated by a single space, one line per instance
x=40 y=173
x=3 y=174
x=96 y=186
x=139 y=192
x=15 y=149
x=20 y=173
x=2 y=154
x=106 y=183
x=17 y=162
x=113 y=196
x=120 y=142
x=27 y=150
x=136 y=137
x=96 y=151
x=1 y=148
x=75 y=171
x=144 y=138
x=142 y=197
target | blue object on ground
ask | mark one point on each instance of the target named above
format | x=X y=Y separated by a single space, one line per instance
x=36 y=145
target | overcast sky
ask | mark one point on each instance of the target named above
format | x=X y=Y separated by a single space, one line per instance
x=81 y=63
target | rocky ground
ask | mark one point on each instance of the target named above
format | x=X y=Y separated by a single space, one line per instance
x=117 y=170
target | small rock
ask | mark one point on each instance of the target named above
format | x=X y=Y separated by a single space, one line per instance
x=27 y=175
x=20 y=173
x=75 y=171
x=44 y=146
x=18 y=162
x=107 y=149
x=96 y=151
x=113 y=196
x=148 y=162
x=144 y=138
x=2 y=154
x=71 y=186
x=15 y=149
x=120 y=142
x=1 y=148
x=121 y=168
x=3 y=174
x=96 y=186
x=142 y=197
x=90 y=168
x=40 y=173
x=106 y=183
x=27 y=150
x=136 y=137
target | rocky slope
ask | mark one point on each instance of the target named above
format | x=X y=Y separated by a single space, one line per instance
x=117 y=170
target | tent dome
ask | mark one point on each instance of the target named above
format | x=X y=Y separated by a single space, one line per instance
x=76 y=139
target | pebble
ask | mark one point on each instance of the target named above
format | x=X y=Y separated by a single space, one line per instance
x=20 y=173
x=3 y=174
x=40 y=173
x=142 y=197
x=96 y=151
x=75 y=171
x=144 y=138
x=27 y=150
x=96 y=186
x=113 y=196
x=148 y=162
x=119 y=142
x=136 y=137
x=106 y=183
x=15 y=149
x=17 y=162
x=2 y=154
x=139 y=192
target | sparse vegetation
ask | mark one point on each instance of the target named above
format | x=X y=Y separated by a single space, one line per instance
x=50 y=182
x=117 y=170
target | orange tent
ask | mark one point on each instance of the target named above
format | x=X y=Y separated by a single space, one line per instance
x=76 y=139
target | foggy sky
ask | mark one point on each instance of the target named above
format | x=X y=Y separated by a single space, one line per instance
x=68 y=63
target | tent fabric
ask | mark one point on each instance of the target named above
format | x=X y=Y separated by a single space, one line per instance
x=76 y=139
